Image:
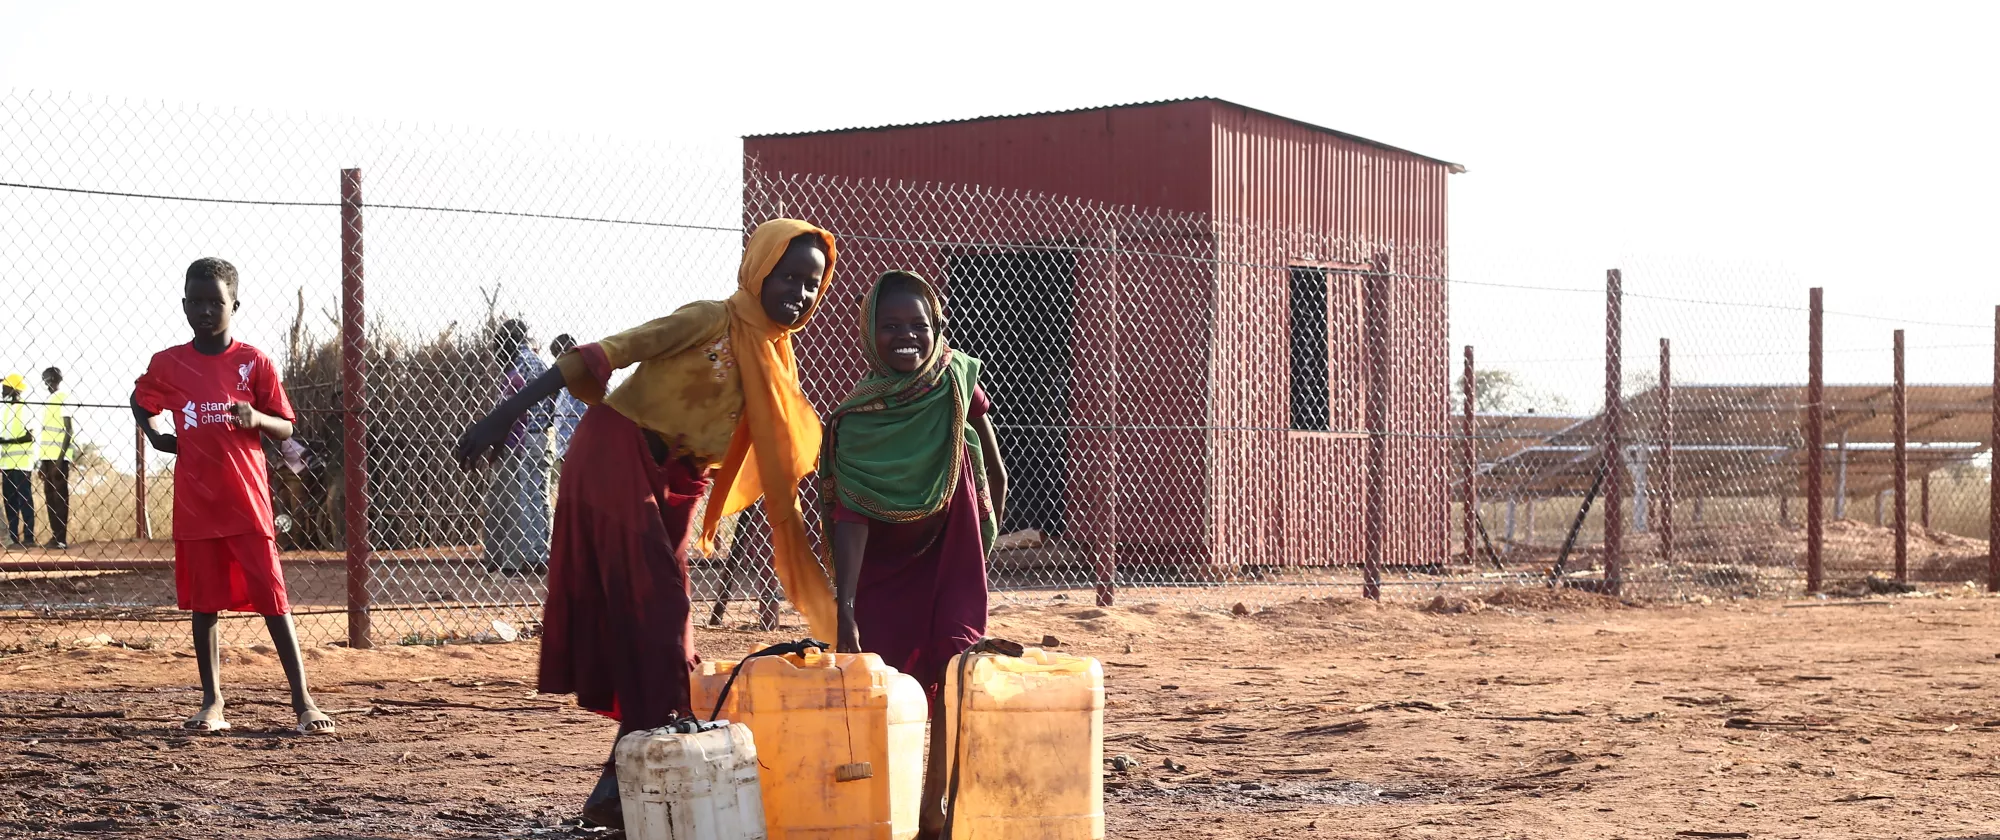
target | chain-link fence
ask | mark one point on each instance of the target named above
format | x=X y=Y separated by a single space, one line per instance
x=1192 y=409
x=1727 y=382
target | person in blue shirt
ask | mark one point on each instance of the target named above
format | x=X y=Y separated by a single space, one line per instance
x=517 y=502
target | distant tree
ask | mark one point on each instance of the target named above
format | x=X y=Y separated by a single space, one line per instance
x=1639 y=381
x=89 y=458
x=1500 y=391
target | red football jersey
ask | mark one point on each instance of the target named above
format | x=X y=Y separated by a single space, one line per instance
x=221 y=488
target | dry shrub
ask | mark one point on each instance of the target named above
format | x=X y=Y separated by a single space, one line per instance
x=1869 y=586
x=422 y=392
x=102 y=504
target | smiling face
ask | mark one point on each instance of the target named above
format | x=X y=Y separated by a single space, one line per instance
x=904 y=333
x=791 y=287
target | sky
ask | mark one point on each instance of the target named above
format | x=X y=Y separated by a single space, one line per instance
x=1731 y=151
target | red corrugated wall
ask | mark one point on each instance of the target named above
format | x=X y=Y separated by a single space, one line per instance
x=1249 y=492
x=1149 y=156
x=1288 y=194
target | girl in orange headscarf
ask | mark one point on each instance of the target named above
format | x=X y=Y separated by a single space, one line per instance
x=714 y=407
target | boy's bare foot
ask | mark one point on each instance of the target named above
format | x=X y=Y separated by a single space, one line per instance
x=315 y=722
x=209 y=719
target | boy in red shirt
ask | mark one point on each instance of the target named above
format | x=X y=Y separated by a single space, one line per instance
x=223 y=394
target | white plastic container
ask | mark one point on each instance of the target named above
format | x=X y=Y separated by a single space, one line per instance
x=693 y=780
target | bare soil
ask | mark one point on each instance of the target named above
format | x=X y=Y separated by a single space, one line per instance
x=1523 y=713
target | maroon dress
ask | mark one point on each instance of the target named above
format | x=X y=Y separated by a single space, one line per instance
x=921 y=599
x=618 y=630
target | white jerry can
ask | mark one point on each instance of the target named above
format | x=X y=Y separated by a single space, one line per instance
x=692 y=780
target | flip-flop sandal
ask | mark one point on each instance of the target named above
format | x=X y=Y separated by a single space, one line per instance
x=314 y=727
x=199 y=725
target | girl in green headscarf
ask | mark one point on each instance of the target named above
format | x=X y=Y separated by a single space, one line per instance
x=912 y=476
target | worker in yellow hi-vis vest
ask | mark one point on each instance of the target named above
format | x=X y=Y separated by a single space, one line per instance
x=17 y=460
x=57 y=453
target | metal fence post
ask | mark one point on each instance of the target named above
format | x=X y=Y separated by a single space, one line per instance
x=1106 y=503
x=1469 y=495
x=1666 y=497
x=142 y=528
x=1614 y=443
x=353 y=421
x=1375 y=319
x=1993 y=485
x=1815 y=443
x=1902 y=467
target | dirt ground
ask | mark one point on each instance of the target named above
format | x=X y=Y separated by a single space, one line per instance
x=1522 y=715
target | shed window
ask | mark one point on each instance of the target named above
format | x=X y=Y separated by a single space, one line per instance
x=1310 y=397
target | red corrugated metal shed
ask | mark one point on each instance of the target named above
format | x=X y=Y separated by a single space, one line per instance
x=1276 y=192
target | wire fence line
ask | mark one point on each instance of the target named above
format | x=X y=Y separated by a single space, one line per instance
x=1195 y=410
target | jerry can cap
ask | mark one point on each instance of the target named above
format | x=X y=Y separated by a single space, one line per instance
x=693 y=726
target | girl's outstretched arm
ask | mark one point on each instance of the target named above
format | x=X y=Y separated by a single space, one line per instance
x=491 y=430
x=996 y=466
x=850 y=542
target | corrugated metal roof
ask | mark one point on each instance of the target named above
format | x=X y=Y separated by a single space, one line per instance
x=1453 y=167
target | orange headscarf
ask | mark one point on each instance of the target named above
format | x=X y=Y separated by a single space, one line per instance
x=780 y=431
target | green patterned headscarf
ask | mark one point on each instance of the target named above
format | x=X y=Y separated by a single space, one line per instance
x=893 y=449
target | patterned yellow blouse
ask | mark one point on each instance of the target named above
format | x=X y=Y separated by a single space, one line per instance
x=687 y=387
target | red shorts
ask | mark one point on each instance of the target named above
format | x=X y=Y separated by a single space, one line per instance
x=238 y=573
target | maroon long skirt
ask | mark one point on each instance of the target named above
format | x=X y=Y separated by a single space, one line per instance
x=617 y=629
x=921 y=599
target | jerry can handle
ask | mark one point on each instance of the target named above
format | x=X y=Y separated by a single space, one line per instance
x=693 y=726
x=988 y=646
x=1003 y=647
x=780 y=649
